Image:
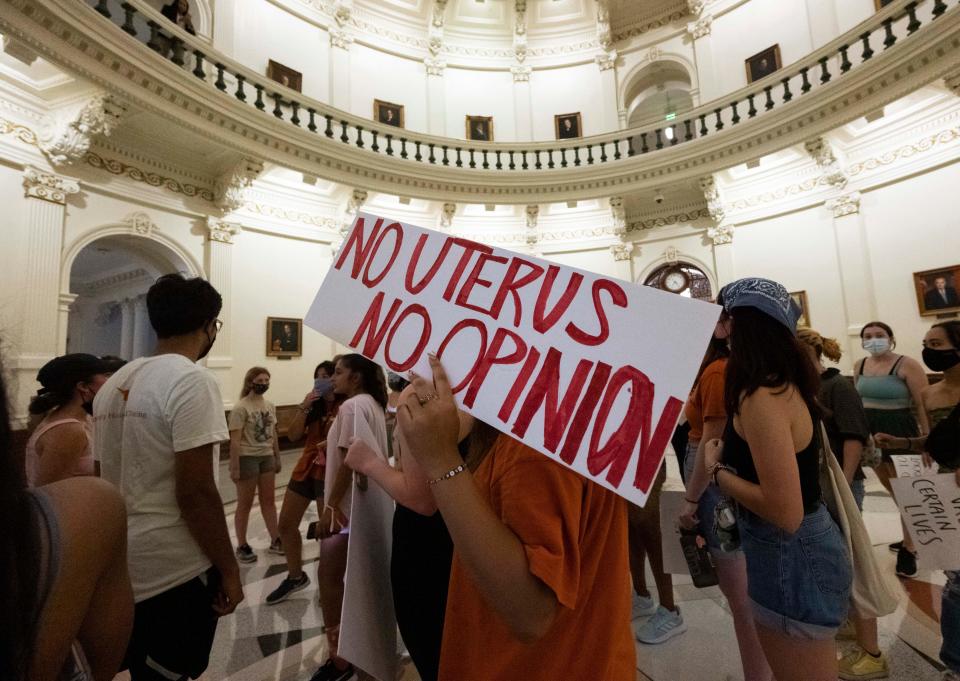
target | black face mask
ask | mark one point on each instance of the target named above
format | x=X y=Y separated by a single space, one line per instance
x=940 y=360
x=259 y=389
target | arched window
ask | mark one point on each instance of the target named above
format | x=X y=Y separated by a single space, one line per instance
x=681 y=278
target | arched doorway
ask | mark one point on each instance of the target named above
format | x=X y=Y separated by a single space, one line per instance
x=110 y=277
x=683 y=279
x=659 y=94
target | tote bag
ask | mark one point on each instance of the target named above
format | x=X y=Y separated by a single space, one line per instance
x=872 y=592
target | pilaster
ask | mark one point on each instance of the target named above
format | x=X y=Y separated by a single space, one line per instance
x=218 y=262
x=856 y=275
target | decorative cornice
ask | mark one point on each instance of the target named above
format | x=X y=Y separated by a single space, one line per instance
x=622 y=251
x=40 y=184
x=220 y=231
x=922 y=145
x=521 y=74
x=604 y=34
x=953 y=83
x=824 y=155
x=721 y=234
x=711 y=192
x=140 y=223
x=647 y=26
x=776 y=194
x=115 y=167
x=321 y=221
x=113 y=280
x=606 y=60
x=676 y=219
x=447 y=211
x=22 y=132
x=848 y=204
x=340 y=38
x=70 y=133
x=695 y=7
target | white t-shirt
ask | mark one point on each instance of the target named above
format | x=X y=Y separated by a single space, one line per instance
x=147 y=411
x=361 y=416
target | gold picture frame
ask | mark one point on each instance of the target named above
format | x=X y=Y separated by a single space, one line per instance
x=568 y=126
x=284 y=337
x=763 y=63
x=800 y=298
x=284 y=75
x=479 y=128
x=388 y=113
x=937 y=291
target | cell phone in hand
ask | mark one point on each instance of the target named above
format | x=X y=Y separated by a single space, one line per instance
x=312 y=529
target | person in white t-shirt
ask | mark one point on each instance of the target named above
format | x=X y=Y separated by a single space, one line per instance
x=363 y=416
x=158 y=424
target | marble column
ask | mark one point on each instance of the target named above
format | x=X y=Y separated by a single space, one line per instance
x=856 y=275
x=128 y=321
x=42 y=333
x=610 y=116
x=218 y=259
x=141 y=328
x=64 y=307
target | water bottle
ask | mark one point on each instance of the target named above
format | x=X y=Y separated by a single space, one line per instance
x=698 y=559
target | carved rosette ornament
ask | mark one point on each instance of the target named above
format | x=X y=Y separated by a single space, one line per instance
x=695 y=7
x=848 y=204
x=700 y=28
x=606 y=60
x=220 y=231
x=70 y=134
x=622 y=252
x=721 y=234
x=434 y=67
x=39 y=184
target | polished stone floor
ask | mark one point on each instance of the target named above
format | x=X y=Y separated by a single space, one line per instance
x=285 y=642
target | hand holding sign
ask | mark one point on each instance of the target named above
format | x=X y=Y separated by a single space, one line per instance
x=429 y=422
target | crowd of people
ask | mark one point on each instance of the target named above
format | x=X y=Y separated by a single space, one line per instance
x=504 y=564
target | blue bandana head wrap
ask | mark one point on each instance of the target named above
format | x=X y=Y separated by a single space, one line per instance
x=767 y=296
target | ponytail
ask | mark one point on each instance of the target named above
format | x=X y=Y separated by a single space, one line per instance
x=47 y=400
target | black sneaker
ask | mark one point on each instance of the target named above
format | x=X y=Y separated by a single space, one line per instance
x=329 y=672
x=276 y=547
x=245 y=554
x=906 y=563
x=287 y=587
x=895 y=546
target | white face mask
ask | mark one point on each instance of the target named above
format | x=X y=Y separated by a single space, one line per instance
x=876 y=346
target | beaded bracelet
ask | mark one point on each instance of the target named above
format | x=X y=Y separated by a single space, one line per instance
x=453 y=472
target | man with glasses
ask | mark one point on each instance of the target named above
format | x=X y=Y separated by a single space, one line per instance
x=158 y=422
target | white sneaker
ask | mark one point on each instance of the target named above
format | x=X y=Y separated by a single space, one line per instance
x=663 y=626
x=643 y=606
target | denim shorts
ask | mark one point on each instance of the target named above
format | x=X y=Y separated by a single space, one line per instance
x=799 y=584
x=709 y=500
x=254 y=466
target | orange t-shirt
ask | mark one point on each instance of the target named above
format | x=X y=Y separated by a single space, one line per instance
x=574 y=533
x=706 y=401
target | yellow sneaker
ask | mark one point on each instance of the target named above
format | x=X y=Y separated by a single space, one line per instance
x=847 y=632
x=859 y=664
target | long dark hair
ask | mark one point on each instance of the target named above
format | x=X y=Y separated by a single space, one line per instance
x=19 y=557
x=479 y=442
x=717 y=349
x=372 y=380
x=765 y=354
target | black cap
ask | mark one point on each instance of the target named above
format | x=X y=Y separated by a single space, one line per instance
x=66 y=371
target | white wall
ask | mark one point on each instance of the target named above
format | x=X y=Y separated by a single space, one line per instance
x=481 y=93
x=563 y=91
x=377 y=75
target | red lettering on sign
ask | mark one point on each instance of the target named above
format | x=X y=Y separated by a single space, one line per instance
x=519 y=383
x=544 y=323
x=588 y=405
x=396 y=230
x=544 y=392
x=360 y=247
x=432 y=272
x=615 y=454
x=369 y=325
x=469 y=248
x=511 y=284
x=491 y=357
x=648 y=466
x=473 y=279
x=619 y=299
x=427 y=326
x=457 y=328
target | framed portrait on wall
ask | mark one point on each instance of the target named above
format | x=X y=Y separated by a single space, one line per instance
x=763 y=63
x=568 y=126
x=284 y=75
x=800 y=298
x=937 y=290
x=388 y=113
x=284 y=337
x=480 y=128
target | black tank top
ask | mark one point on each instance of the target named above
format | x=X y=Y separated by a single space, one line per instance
x=736 y=453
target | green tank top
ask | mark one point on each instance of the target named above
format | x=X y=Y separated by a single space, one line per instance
x=883 y=392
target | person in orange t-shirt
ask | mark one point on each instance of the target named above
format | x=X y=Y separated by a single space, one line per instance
x=540 y=583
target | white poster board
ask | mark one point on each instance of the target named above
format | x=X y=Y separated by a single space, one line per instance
x=930 y=507
x=911 y=465
x=588 y=370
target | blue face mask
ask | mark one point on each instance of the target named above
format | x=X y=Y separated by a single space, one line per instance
x=876 y=346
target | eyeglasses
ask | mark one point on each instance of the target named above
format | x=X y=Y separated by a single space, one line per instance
x=218 y=324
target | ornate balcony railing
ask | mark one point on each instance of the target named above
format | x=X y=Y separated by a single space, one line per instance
x=896 y=23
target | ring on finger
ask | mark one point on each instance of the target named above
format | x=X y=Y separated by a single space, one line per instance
x=426 y=398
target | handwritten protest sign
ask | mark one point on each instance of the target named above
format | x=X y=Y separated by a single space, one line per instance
x=911 y=465
x=930 y=506
x=589 y=370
